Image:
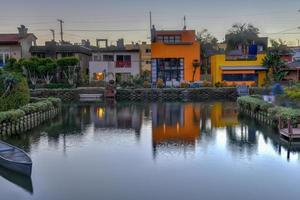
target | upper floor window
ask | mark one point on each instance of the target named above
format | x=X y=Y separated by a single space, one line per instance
x=171 y=39
x=148 y=50
x=108 y=58
x=123 y=61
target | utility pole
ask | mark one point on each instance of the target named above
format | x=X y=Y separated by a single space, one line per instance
x=61 y=29
x=53 y=34
x=184 y=23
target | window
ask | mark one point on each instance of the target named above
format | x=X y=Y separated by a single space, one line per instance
x=4 y=57
x=239 y=77
x=148 y=62
x=108 y=58
x=98 y=76
x=123 y=61
x=148 y=50
x=171 y=39
x=169 y=69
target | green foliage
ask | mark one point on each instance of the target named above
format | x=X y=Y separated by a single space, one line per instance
x=13 y=66
x=69 y=67
x=160 y=83
x=277 y=67
x=16 y=95
x=241 y=34
x=146 y=84
x=275 y=112
x=58 y=85
x=11 y=115
x=253 y=103
x=293 y=93
x=40 y=106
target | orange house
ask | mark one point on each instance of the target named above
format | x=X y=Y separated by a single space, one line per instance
x=173 y=54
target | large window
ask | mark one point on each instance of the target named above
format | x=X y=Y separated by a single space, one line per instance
x=170 y=69
x=171 y=39
x=123 y=61
x=240 y=77
x=3 y=58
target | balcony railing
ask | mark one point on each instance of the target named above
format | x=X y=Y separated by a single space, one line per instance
x=123 y=64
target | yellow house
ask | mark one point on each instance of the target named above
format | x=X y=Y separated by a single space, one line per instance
x=238 y=71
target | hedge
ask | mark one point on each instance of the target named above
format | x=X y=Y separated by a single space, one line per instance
x=43 y=105
x=256 y=104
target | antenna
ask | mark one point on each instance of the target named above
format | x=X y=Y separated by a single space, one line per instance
x=184 y=23
x=53 y=34
x=61 y=29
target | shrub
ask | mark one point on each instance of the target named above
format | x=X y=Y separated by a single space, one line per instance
x=184 y=85
x=17 y=96
x=160 y=83
x=55 y=101
x=58 y=85
x=146 y=84
x=255 y=104
x=207 y=83
x=293 y=93
x=11 y=115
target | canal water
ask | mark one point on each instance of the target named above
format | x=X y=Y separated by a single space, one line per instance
x=161 y=151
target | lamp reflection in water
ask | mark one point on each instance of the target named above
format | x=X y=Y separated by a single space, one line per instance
x=100 y=112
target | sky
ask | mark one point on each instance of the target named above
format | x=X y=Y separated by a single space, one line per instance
x=129 y=19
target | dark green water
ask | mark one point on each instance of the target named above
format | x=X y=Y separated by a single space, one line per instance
x=154 y=151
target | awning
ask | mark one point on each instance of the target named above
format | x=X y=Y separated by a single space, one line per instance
x=244 y=68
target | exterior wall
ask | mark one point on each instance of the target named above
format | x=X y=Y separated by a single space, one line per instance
x=13 y=50
x=145 y=54
x=293 y=75
x=188 y=52
x=218 y=61
x=110 y=66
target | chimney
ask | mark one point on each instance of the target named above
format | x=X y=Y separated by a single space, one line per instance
x=120 y=43
x=22 y=31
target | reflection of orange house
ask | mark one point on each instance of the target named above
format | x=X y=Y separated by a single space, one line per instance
x=173 y=54
x=175 y=122
x=222 y=116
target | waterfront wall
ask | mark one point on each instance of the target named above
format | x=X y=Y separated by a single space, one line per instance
x=27 y=122
x=150 y=94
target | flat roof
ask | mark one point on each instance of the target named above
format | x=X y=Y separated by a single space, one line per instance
x=232 y=68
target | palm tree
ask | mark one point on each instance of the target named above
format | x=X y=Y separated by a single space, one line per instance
x=276 y=67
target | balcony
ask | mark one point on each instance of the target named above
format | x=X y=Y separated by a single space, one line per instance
x=123 y=64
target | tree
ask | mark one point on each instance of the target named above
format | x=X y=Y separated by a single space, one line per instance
x=277 y=67
x=47 y=68
x=69 y=67
x=196 y=65
x=279 y=47
x=241 y=34
x=13 y=65
x=208 y=45
x=31 y=67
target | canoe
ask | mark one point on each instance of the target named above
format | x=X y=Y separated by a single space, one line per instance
x=15 y=159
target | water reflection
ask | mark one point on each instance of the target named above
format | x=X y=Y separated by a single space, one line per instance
x=20 y=180
x=169 y=128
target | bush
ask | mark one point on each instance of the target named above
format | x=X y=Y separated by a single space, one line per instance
x=285 y=113
x=55 y=101
x=146 y=84
x=184 y=85
x=58 y=86
x=207 y=83
x=293 y=93
x=11 y=115
x=18 y=94
x=253 y=103
x=160 y=83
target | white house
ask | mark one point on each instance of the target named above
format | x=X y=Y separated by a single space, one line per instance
x=16 y=45
x=114 y=63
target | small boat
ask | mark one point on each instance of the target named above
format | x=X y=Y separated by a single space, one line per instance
x=15 y=159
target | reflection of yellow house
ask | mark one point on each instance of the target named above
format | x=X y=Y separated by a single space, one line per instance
x=186 y=129
x=238 y=72
x=223 y=116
